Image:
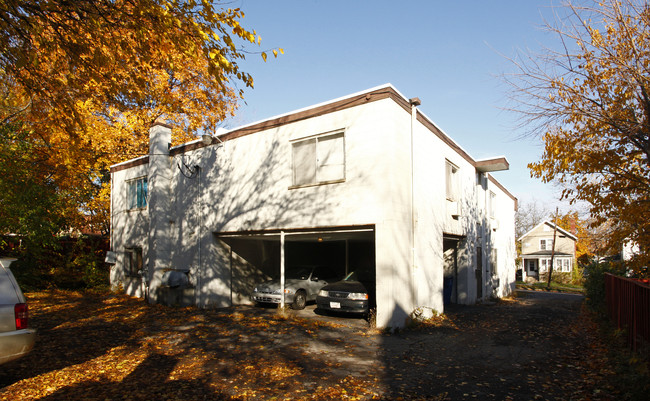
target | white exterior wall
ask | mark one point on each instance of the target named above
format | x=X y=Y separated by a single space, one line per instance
x=502 y=235
x=129 y=228
x=245 y=184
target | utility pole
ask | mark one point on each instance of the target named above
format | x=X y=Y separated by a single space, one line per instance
x=550 y=268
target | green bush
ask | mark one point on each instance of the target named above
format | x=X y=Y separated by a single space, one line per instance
x=577 y=275
x=72 y=263
x=595 y=283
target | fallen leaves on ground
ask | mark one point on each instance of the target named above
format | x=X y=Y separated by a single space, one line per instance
x=99 y=346
x=106 y=346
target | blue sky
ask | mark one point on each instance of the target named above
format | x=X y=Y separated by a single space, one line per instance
x=450 y=54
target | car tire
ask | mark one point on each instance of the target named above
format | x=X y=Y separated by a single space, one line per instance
x=299 y=300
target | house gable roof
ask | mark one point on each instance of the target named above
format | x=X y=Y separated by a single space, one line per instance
x=386 y=91
x=560 y=229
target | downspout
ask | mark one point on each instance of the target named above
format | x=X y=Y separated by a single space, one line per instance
x=414 y=102
x=110 y=237
x=282 y=271
x=111 y=232
x=198 y=279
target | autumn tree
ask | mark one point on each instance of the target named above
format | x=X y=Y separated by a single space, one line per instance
x=81 y=82
x=529 y=215
x=589 y=99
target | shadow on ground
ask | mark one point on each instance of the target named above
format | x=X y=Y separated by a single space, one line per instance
x=114 y=347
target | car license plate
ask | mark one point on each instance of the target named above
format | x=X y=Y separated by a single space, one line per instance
x=335 y=305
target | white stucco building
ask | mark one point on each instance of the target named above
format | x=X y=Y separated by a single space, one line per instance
x=362 y=181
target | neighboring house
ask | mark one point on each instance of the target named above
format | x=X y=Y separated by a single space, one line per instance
x=537 y=250
x=365 y=181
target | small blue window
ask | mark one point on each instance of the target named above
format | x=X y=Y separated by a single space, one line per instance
x=137 y=193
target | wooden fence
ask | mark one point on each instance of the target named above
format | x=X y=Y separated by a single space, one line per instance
x=628 y=305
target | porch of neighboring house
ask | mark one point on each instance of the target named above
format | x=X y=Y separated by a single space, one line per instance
x=537 y=263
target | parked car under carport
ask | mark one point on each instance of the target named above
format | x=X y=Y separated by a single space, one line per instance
x=302 y=283
x=351 y=295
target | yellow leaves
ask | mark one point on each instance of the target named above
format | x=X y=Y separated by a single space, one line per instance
x=275 y=53
x=204 y=35
x=104 y=76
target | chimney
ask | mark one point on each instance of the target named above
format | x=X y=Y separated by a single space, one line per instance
x=160 y=138
x=573 y=228
x=159 y=204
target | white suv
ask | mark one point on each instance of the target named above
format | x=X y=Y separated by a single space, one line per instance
x=16 y=339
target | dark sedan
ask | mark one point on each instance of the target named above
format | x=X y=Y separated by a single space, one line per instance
x=348 y=295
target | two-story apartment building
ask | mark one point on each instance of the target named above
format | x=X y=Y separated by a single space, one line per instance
x=537 y=250
x=364 y=181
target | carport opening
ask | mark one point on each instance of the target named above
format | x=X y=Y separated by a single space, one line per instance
x=255 y=257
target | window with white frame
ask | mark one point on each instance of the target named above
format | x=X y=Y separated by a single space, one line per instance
x=451 y=180
x=137 y=193
x=319 y=159
x=491 y=200
x=546 y=244
x=566 y=264
x=560 y=265
x=543 y=264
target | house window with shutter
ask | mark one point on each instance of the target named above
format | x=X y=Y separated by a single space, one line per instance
x=319 y=160
x=546 y=244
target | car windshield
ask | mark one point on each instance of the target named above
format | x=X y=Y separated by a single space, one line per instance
x=299 y=273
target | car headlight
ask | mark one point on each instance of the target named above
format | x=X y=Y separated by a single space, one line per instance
x=288 y=291
x=323 y=293
x=358 y=296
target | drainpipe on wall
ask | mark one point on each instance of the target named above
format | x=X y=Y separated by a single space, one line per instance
x=414 y=102
x=282 y=271
x=198 y=276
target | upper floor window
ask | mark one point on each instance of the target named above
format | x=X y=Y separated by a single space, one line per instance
x=137 y=193
x=319 y=160
x=451 y=179
x=545 y=244
x=491 y=202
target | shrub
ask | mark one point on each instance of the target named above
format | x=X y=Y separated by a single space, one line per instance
x=595 y=283
x=71 y=263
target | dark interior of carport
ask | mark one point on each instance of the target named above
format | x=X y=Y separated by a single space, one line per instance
x=256 y=255
x=450 y=247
